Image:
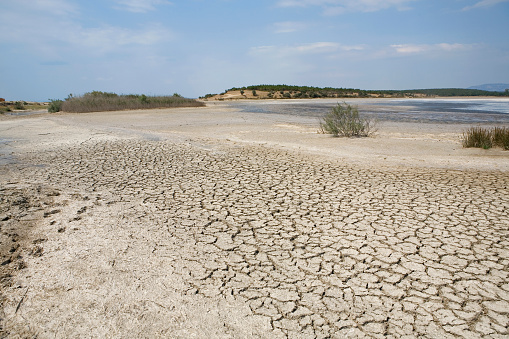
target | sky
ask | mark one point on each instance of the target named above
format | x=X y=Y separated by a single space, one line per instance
x=52 y=48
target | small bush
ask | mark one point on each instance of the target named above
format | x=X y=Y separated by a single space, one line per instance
x=19 y=105
x=486 y=138
x=477 y=137
x=501 y=137
x=345 y=121
x=143 y=99
x=55 y=106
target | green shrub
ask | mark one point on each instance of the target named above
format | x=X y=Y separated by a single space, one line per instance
x=143 y=99
x=55 y=105
x=19 y=105
x=345 y=121
x=99 y=94
x=486 y=138
x=501 y=137
x=478 y=137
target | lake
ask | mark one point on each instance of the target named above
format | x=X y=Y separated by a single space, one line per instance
x=436 y=110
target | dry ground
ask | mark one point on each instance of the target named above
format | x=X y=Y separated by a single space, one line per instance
x=212 y=223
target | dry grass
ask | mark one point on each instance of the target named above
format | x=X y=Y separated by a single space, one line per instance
x=501 y=137
x=102 y=101
x=486 y=138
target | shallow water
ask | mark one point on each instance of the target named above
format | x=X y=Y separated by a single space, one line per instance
x=5 y=152
x=467 y=111
x=29 y=112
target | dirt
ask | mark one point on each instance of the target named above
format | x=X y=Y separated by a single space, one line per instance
x=212 y=223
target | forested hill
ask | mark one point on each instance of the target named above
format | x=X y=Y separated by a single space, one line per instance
x=295 y=92
x=492 y=87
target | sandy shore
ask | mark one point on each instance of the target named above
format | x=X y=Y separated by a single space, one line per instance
x=214 y=223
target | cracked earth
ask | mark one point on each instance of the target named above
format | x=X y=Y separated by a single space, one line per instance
x=140 y=238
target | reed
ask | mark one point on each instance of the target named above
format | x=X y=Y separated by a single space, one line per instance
x=500 y=136
x=486 y=138
x=103 y=101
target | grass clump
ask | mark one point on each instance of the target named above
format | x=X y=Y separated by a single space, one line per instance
x=486 y=138
x=344 y=120
x=501 y=137
x=97 y=101
x=4 y=109
x=19 y=105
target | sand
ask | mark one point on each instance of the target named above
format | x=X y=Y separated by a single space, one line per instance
x=213 y=223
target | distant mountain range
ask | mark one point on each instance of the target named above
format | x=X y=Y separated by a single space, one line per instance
x=491 y=87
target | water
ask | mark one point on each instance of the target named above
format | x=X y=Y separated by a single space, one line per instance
x=461 y=111
x=5 y=152
x=29 y=112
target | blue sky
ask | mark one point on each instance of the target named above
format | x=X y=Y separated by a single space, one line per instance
x=51 y=48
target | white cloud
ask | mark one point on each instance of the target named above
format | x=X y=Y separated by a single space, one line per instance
x=49 y=7
x=107 y=39
x=303 y=49
x=305 y=3
x=140 y=6
x=316 y=47
x=49 y=31
x=335 y=7
x=289 y=26
x=410 y=49
x=484 y=3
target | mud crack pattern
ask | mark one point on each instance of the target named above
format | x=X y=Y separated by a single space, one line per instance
x=319 y=248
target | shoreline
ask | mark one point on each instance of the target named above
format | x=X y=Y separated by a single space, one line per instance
x=357 y=98
x=406 y=144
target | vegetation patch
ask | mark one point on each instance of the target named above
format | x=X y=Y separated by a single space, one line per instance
x=304 y=92
x=55 y=105
x=10 y=106
x=486 y=138
x=97 y=101
x=345 y=121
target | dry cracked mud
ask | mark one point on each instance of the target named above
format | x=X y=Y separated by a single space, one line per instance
x=170 y=239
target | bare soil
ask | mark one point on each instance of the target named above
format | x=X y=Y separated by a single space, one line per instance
x=214 y=223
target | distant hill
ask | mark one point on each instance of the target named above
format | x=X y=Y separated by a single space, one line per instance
x=301 y=92
x=491 y=87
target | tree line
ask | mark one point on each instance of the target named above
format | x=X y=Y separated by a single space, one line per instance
x=318 y=92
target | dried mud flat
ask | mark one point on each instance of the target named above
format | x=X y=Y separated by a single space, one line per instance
x=127 y=236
